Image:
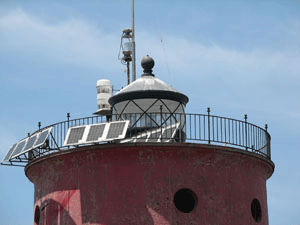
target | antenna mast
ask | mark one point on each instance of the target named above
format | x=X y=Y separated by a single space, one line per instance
x=133 y=42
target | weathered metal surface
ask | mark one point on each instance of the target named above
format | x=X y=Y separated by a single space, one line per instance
x=136 y=184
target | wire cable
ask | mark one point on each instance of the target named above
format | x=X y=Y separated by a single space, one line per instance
x=162 y=41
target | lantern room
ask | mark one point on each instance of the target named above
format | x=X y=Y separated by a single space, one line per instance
x=149 y=103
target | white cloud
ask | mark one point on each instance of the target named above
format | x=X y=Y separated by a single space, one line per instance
x=83 y=43
x=195 y=56
x=72 y=41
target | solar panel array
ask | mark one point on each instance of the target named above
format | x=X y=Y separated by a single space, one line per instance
x=96 y=133
x=27 y=144
x=166 y=134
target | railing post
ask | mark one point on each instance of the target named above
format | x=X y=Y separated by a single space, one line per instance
x=182 y=126
x=160 y=108
x=68 y=119
x=208 y=124
x=268 y=142
x=179 y=130
x=246 y=131
x=30 y=156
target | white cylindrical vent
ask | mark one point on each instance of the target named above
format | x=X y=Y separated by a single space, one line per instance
x=103 y=94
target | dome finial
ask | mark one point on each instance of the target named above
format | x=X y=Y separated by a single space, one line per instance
x=147 y=64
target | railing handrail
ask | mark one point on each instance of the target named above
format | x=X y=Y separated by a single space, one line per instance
x=247 y=127
x=194 y=114
x=203 y=128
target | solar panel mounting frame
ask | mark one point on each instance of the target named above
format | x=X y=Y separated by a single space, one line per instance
x=148 y=133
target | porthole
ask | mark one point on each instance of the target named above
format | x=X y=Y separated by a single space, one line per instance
x=37 y=214
x=256 y=210
x=185 y=200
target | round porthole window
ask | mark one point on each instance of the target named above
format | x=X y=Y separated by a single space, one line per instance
x=37 y=214
x=256 y=210
x=185 y=200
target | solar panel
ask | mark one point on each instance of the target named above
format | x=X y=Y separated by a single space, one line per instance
x=30 y=142
x=117 y=130
x=141 y=138
x=12 y=148
x=95 y=132
x=43 y=135
x=157 y=135
x=19 y=148
x=154 y=136
x=75 y=135
x=168 y=134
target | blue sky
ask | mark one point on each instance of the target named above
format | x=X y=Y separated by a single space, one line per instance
x=235 y=57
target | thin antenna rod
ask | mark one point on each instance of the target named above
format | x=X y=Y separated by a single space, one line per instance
x=133 y=43
x=128 y=74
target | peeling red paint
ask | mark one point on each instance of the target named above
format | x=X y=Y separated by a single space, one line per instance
x=136 y=184
x=65 y=201
x=157 y=219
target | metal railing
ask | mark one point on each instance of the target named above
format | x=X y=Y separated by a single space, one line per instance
x=192 y=128
x=195 y=128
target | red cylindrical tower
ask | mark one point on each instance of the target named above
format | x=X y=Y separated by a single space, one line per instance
x=154 y=183
x=147 y=161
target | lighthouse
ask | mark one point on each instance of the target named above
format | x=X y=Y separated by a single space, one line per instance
x=141 y=159
x=147 y=161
